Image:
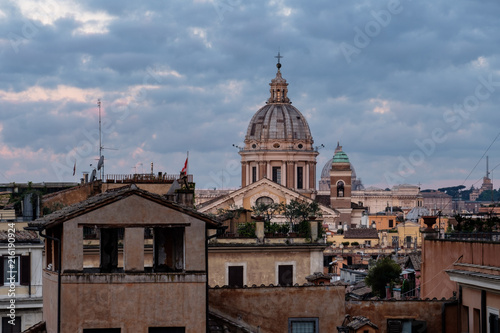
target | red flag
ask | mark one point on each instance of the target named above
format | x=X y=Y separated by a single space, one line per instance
x=74 y=169
x=184 y=170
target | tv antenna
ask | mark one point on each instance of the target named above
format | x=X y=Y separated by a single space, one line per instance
x=100 y=164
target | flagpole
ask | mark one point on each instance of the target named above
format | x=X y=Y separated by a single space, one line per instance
x=187 y=158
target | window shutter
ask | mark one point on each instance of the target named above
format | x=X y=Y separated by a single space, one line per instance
x=25 y=271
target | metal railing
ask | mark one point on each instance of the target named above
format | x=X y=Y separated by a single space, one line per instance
x=483 y=236
x=144 y=178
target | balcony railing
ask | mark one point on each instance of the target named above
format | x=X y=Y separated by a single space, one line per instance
x=144 y=178
x=482 y=236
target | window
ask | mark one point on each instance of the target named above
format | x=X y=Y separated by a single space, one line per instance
x=101 y=330
x=493 y=323
x=148 y=249
x=166 y=330
x=8 y=327
x=408 y=241
x=168 y=244
x=300 y=176
x=108 y=248
x=264 y=201
x=394 y=326
x=277 y=175
x=285 y=275
x=254 y=174
x=235 y=276
x=303 y=325
x=17 y=267
x=340 y=189
x=391 y=223
x=368 y=243
x=10 y=270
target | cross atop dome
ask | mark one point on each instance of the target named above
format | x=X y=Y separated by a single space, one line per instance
x=279 y=58
x=278 y=85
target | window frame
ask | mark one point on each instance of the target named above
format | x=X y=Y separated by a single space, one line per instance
x=491 y=311
x=276 y=174
x=285 y=263
x=23 y=268
x=291 y=320
x=231 y=264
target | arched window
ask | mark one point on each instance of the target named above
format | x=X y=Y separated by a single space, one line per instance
x=264 y=201
x=340 y=189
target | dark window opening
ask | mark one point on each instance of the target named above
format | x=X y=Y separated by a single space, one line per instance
x=109 y=249
x=166 y=330
x=340 y=189
x=285 y=275
x=235 y=276
x=300 y=177
x=148 y=249
x=493 y=321
x=168 y=244
x=264 y=201
x=90 y=233
x=408 y=241
x=7 y=326
x=277 y=175
x=391 y=223
x=254 y=174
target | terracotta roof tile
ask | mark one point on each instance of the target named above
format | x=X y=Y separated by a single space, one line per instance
x=21 y=236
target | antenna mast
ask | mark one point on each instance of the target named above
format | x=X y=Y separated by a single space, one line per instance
x=101 y=173
x=487 y=168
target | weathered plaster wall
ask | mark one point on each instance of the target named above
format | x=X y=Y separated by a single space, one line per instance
x=429 y=311
x=132 y=302
x=439 y=255
x=261 y=263
x=268 y=308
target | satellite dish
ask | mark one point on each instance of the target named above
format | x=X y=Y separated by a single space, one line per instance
x=100 y=163
x=92 y=175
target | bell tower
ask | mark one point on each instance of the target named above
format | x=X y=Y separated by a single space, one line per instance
x=340 y=186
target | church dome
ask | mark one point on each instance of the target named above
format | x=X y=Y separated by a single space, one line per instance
x=279 y=120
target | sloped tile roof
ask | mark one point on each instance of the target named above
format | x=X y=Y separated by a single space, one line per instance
x=21 y=236
x=111 y=196
x=359 y=321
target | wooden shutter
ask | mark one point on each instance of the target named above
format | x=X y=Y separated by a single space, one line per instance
x=25 y=271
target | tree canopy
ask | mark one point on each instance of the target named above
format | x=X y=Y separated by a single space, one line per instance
x=384 y=271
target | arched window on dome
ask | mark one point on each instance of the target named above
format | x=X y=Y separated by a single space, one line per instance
x=264 y=201
x=340 y=189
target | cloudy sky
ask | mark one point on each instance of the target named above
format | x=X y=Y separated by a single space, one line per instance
x=411 y=89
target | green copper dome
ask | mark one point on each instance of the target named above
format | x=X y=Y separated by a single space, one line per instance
x=340 y=157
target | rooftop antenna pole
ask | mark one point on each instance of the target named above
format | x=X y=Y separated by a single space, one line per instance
x=487 y=168
x=100 y=142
